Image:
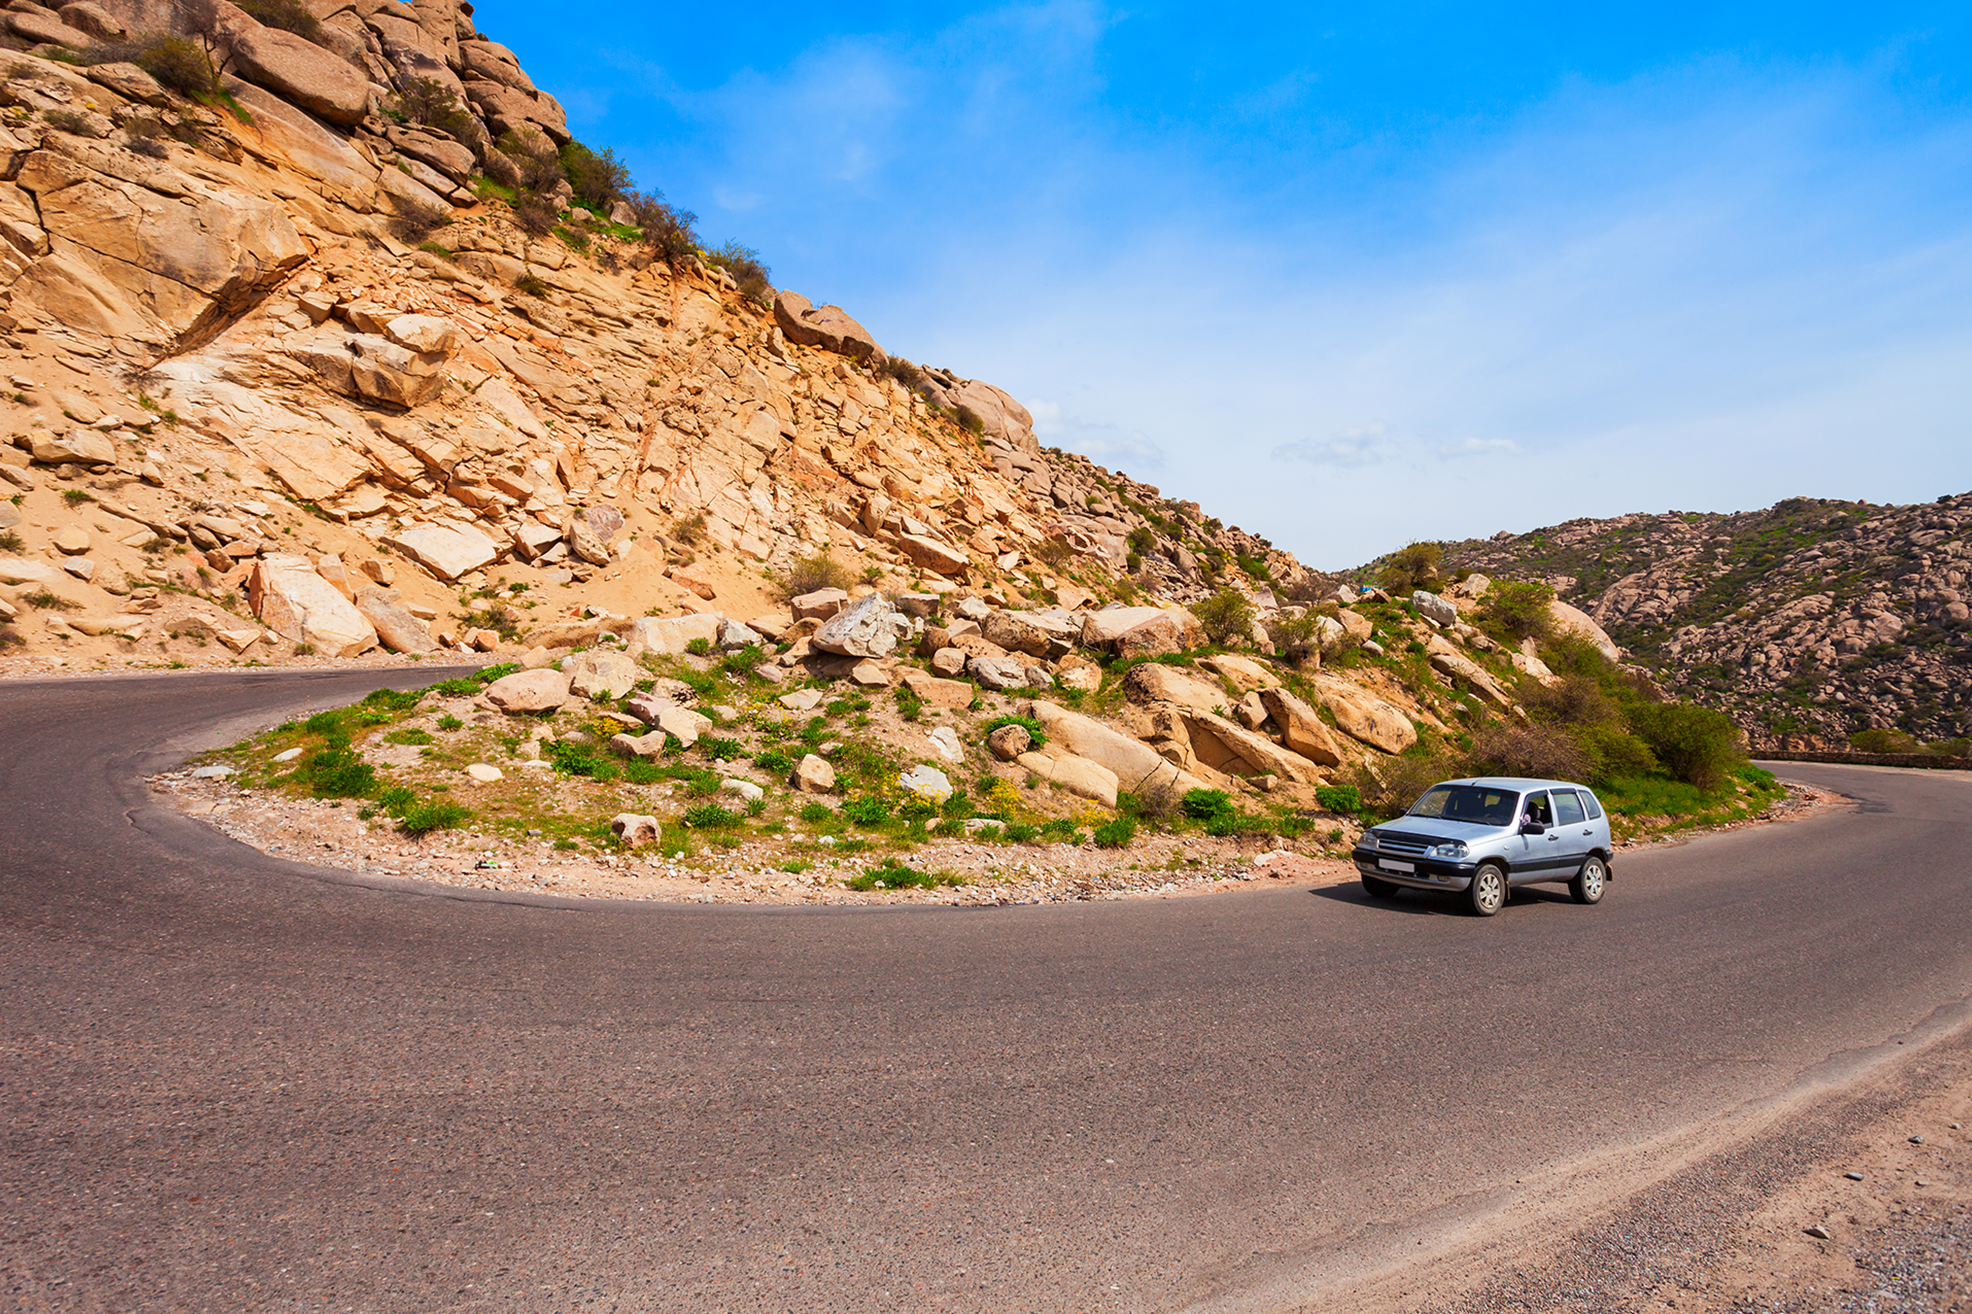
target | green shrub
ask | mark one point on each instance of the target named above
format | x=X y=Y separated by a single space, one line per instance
x=1344 y=799
x=1698 y=745
x=1115 y=834
x=890 y=874
x=727 y=750
x=1227 y=617
x=1518 y=609
x=1613 y=751
x=450 y=722
x=410 y=734
x=909 y=705
x=710 y=816
x=639 y=772
x=1205 y=804
x=1020 y=833
x=178 y=63
x=599 y=178
x=816 y=813
x=1882 y=741
x=339 y=773
x=743 y=263
x=580 y=760
x=774 y=761
x=949 y=828
x=668 y=231
x=432 y=814
x=867 y=811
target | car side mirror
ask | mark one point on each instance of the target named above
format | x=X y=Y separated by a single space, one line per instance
x=1532 y=828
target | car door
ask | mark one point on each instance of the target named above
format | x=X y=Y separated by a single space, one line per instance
x=1574 y=834
x=1533 y=858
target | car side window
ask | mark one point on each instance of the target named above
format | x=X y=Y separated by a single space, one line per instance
x=1568 y=807
x=1595 y=808
x=1537 y=809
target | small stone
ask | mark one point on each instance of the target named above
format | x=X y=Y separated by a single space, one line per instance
x=288 y=756
x=80 y=567
x=746 y=789
x=1854 y=1177
x=1917 y=1140
x=871 y=675
x=485 y=774
x=926 y=783
x=801 y=700
x=814 y=776
x=1009 y=742
x=635 y=830
x=948 y=661
x=72 y=540
x=946 y=741
x=1818 y=1232
x=212 y=773
x=1922 y=1181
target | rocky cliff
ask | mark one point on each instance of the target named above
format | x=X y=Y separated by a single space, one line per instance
x=285 y=323
x=1807 y=621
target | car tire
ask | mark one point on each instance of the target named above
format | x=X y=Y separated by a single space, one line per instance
x=1487 y=892
x=1377 y=889
x=1590 y=881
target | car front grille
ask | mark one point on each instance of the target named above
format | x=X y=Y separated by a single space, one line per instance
x=1413 y=845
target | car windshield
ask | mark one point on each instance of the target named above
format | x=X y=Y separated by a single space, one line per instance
x=1483 y=807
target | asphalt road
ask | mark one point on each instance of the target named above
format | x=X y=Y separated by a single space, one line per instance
x=232 y=1082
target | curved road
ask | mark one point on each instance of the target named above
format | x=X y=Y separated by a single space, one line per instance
x=233 y=1082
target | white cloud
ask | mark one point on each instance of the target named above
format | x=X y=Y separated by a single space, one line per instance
x=1480 y=447
x=1132 y=453
x=1351 y=449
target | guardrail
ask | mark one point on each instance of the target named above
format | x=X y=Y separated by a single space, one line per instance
x=1923 y=761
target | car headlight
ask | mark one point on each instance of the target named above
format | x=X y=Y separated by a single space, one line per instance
x=1456 y=849
x=1369 y=839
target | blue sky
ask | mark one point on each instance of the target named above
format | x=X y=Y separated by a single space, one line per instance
x=1351 y=276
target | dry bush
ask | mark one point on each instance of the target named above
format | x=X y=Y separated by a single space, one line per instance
x=1573 y=700
x=1544 y=752
x=1390 y=785
x=535 y=214
x=807 y=574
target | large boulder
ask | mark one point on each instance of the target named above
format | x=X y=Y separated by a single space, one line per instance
x=1448 y=661
x=1153 y=682
x=1301 y=727
x=671 y=634
x=1574 y=622
x=399 y=630
x=1002 y=416
x=447 y=551
x=828 y=327
x=1434 y=608
x=302 y=72
x=1136 y=765
x=1138 y=632
x=1077 y=775
x=602 y=674
x=1244 y=672
x=999 y=674
x=813 y=775
x=302 y=607
x=936 y=692
x=929 y=554
x=819 y=605
x=1224 y=746
x=635 y=830
x=866 y=628
x=76 y=446
x=544 y=690
x=1365 y=717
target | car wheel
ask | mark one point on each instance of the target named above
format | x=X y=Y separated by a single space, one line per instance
x=1590 y=881
x=1377 y=889
x=1487 y=893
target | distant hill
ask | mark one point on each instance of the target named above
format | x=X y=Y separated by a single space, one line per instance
x=1805 y=622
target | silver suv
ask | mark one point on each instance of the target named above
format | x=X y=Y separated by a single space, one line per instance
x=1482 y=837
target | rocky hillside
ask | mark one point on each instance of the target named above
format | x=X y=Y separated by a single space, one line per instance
x=1806 y=622
x=291 y=326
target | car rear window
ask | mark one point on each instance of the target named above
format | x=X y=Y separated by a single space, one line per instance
x=1484 y=807
x=1595 y=808
x=1567 y=807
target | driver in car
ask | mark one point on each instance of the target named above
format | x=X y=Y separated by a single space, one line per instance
x=1539 y=811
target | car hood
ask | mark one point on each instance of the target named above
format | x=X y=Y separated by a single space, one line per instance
x=1438 y=828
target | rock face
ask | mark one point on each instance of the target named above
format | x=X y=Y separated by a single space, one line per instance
x=1572 y=620
x=1434 y=608
x=1077 y=775
x=302 y=607
x=447 y=551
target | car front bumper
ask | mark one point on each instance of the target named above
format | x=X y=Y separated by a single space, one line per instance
x=1424 y=873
